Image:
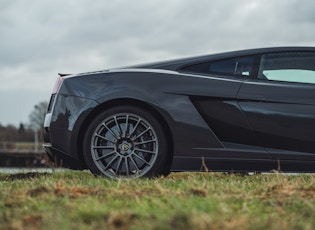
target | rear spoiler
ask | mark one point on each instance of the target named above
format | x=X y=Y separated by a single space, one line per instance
x=63 y=74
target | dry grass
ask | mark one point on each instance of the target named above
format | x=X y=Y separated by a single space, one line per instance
x=78 y=200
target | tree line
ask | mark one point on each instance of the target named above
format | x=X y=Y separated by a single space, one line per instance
x=11 y=133
x=26 y=132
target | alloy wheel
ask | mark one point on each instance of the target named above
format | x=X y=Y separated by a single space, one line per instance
x=124 y=145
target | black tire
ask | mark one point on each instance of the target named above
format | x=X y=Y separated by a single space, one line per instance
x=125 y=142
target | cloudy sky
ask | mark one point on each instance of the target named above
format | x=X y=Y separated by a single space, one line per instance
x=39 y=38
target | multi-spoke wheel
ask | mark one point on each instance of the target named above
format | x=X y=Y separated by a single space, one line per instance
x=125 y=141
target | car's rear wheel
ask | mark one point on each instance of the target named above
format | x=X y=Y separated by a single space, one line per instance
x=125 y=142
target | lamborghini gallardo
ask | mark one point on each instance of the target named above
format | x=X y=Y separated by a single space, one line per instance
x=241 y=111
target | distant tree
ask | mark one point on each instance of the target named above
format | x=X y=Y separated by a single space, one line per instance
x=24 y=134
x=2 y=133
x=11 y=132
x=21 y=128
x=37 y=118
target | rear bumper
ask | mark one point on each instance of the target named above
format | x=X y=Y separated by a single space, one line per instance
x=60 y=159
x=63 y=125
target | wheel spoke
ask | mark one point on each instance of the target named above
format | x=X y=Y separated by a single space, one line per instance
x=135 y=164
x=104 y=156
x=142 y=159
x=103 y=147
x=145 y=131
x=127 y=126
x=145 y=142
x=144 y=150
x=110 y=163
x=106 y=139
x=119 y=128
x=135 y=127
x=118 y=165
x=127 y=167
x=114 y=135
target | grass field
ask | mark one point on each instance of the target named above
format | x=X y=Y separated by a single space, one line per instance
x=78 y=200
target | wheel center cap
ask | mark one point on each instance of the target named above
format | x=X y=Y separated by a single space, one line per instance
x=125 y=147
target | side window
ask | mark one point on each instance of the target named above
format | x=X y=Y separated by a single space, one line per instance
x=289 y=67
x=241 y=66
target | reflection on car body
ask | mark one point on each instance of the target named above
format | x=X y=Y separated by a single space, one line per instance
x=238 y=111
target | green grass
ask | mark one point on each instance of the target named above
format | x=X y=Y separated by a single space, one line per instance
x=78 y=200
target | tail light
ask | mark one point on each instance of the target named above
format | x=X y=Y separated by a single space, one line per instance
x=56 y=89
x=51 y=102
x=59 y=82
x=57 y=85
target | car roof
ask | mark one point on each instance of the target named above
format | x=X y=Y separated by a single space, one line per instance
x=178 y=63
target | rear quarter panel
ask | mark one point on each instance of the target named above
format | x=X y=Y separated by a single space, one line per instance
x=168 y=93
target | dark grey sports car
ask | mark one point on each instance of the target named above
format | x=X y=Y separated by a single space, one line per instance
x=251 y=110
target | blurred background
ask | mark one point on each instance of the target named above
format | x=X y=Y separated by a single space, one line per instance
x=41 y=38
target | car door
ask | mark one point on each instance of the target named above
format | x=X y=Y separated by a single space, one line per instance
x=280 y=104
x=223 y=113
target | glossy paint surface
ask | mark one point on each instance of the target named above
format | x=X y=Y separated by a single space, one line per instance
x=233 y=124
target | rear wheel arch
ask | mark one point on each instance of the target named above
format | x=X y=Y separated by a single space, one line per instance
x=125 y=102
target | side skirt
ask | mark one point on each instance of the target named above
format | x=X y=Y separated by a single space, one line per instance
x=183 y=163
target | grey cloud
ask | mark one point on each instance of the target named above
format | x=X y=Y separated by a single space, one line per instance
x=41 y=37
x=298 y=12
